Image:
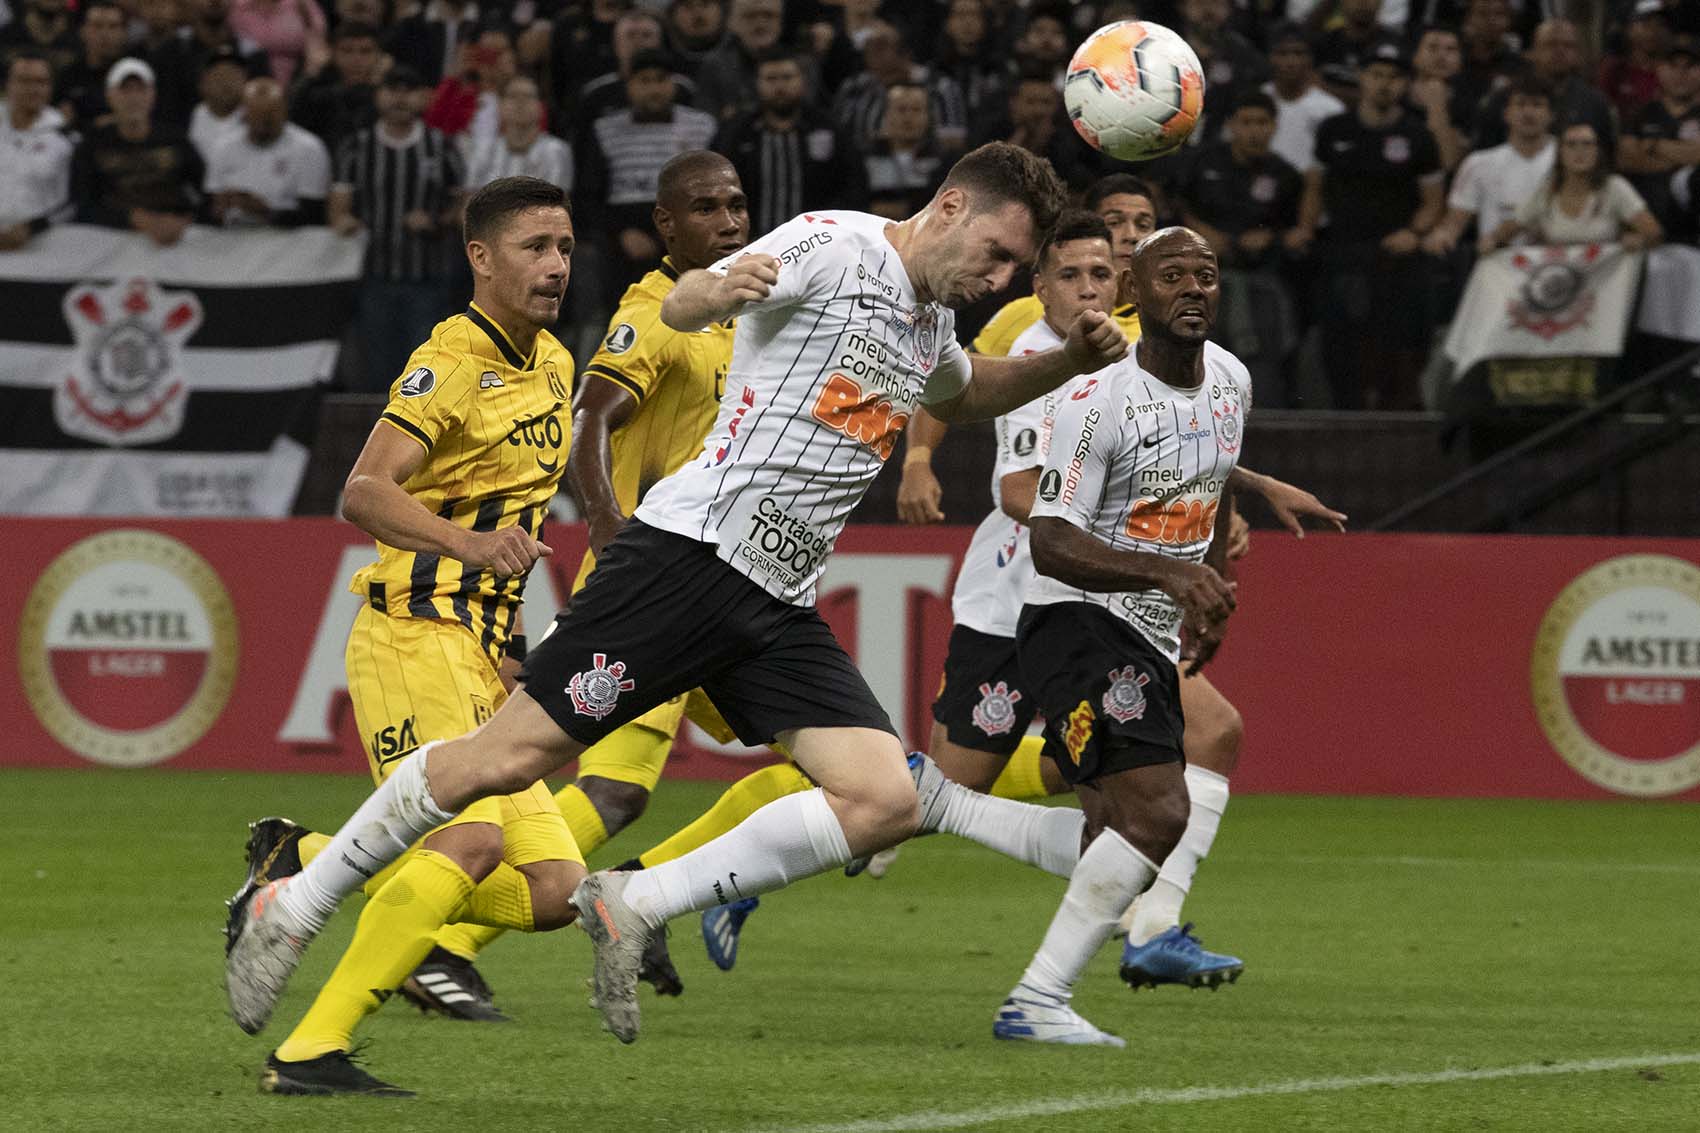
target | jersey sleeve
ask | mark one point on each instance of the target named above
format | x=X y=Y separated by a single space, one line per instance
x=1467 y=190
x=952 y=374
x=430 y=398
x=634 y=353
x=1077 y=468
x=1021 y=437
x=803 y=247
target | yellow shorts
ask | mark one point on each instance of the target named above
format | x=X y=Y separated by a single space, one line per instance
x=414 y=680
x=642 y=763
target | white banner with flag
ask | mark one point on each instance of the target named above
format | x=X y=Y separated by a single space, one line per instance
x=1558 y=301
x=176 y=381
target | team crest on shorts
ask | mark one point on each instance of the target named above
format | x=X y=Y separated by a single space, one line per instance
x=1124 y=700
x=1078 y=731
x=995 y=714
x=596 y=690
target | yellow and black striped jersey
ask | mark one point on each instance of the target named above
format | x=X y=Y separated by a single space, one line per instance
x=495 y=429
x=1014 y=317
x=677 y=380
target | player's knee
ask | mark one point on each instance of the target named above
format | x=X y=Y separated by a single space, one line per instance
x=617 y=804
x=1220 y=746
x=1156 y=827
x=475 y=847
x=552 y=884
x=894 y=808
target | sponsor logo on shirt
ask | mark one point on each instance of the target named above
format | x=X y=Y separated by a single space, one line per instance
x=1172 y=522
x=1077 y=464
x=747 y=402
x=620 y=339
x=419 y=383
x=1396 y=149
x=1025 y=442
x=804 y=246
x=780 y=544
x=866 y=418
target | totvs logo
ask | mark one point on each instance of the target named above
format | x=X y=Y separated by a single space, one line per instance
x=1615 y=675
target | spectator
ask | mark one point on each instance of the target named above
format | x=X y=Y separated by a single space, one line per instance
x=581 y=45
x=1489 y=58
x=1244 y=199
x=164 y=35
x=1379 y=181
x=400 y=181
x=522 y=147
x=1034 y=119
x=1556 y=59
x=1341 y=52
x=622 y=158
x=465 y=105
x=968 y=57
x=1301 y=105
x=1044 y=43
x=429 y=39
x=634 y=31
x=1663 y=137
x=342 y=98
x=904 y=165
x=726 y=80
x=81 y=92
x=1582 y=201
x=209 y=33
x=694 y=29
x=1492 y=183
x=1435 y=65
x=290 y=32
x=218 y=116
x=45 y=27
x=1232 y=65
x=274 y=173
x=859 y=105
x=35 y=154
x=790 y=156
x=1630 y=79
x=134 y=172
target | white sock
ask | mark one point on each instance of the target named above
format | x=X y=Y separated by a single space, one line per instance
x=1109 y=875
x=787 y=840
x=1043 y=836
x=393 y=817
x=1159 y=908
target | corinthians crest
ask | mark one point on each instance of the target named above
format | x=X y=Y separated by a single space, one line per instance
x=995 y=714
x=1554 y=295
x=1124 y=700
x=125 y=385
x=596 y=690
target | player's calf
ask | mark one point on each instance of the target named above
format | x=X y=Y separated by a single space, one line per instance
x=552 y=884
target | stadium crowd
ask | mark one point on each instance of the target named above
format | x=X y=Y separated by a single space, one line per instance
x=1354 y=158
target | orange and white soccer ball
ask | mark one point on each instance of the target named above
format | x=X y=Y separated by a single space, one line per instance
x=1134 y=90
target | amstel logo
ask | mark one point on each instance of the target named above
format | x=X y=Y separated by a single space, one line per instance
x=1615 y=675
x=127 y=648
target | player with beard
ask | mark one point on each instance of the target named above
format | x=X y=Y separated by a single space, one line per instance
x=1125 y=541
x=846 y=323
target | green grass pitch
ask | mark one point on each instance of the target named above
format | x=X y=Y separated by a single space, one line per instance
x=1391 y=947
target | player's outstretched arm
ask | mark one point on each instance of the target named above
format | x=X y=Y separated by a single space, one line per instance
x=702 y=297
x=1289 y=502
x=1000 y=385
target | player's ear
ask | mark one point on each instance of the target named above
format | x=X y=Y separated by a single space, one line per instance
x=663 y=219
x=478 y=255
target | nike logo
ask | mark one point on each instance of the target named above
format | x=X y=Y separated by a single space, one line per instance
x=1153 y=442
x=733 y=879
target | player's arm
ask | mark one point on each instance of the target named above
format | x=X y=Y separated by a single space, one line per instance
x=601 y=409
x=374 y=501
x=919 y=493
x=1016 y=493
x=1000 y=385
x=701 y=297
x=1289 y=502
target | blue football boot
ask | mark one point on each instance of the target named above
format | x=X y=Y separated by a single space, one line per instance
x=1177 y=957
x=720 y=928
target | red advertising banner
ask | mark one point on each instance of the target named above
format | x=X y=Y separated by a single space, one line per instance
x=1363 y=664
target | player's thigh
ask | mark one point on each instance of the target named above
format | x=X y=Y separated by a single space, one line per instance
x=1213 y=726
x=859 y=764
x=641 y=761
x=974 y=769
x=412 y=681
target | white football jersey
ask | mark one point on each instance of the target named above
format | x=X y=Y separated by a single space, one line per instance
x=1141 y=465
x=997 y=567
x=825 y=374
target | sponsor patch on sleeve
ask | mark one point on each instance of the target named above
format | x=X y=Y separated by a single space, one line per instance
x=419 y=383
x=620 y=339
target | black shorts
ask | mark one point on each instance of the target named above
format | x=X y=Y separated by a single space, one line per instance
x=1111 y=701
x=661 y=615
x=982 y=703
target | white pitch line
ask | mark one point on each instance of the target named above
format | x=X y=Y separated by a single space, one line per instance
x=1479 y=863
x=1127 y=1099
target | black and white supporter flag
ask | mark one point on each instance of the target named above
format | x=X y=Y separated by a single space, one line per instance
x=179 y=381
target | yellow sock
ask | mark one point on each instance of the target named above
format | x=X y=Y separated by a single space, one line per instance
x=582 y=819
x=310 y=845
x=394 y=934
x=741 y=800
x=501 y=901
x=1021 y=778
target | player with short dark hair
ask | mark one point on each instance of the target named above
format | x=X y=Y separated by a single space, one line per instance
x=453 y=484
x=845 y=324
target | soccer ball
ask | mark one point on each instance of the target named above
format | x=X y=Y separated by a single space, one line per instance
x=1134 y=90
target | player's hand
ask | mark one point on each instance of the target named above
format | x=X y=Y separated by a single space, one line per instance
x=919 y=494
x=1205 y=597
x=508 y=551
x=749 y=279
x=1198 y=648
x=1290 y=503
x=1239 y=537
x=602 y=528
x=1094 y=341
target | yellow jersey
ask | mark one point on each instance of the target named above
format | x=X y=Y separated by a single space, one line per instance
x=494 y=425
x=1014 y=317
x=677 y=380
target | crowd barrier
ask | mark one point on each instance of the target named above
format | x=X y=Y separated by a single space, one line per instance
x=1414 y=665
